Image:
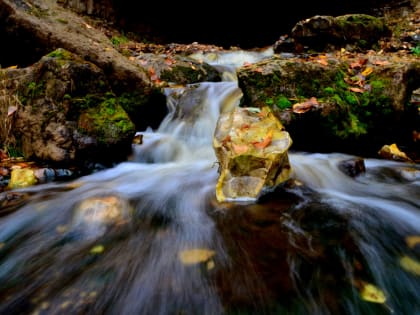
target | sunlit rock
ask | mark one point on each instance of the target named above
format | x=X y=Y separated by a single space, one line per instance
x=22 y=177
x=251 y=146
x=392 y=152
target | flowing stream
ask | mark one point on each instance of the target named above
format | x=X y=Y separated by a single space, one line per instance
x=148 y=237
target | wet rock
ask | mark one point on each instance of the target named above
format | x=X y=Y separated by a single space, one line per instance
x=251 y=146
x=94 y=216
x=352 y=167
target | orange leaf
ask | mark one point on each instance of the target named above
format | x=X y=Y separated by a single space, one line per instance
x=169 y=61
x=245 y=126
x=300 y=108
x=323 y=60
x=357 y=90
x=226 y=139
x=265 y=142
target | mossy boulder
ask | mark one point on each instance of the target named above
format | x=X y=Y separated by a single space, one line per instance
x=354 y=104
x=351 y=31
x=69 y=114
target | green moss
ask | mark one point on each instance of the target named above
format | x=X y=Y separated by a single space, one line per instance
x=283 y=102
x=118 y=40
x=329 y=90
x=351 y=98
x=182 y=75
x=132 y=101
x=107 y=119
x=62 y=21
x=60 y=54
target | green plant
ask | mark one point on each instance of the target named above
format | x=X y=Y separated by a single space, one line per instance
x=415 y=50
x=118 y=40
x=283 y=102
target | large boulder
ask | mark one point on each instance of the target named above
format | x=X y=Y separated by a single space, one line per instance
x=338 y=102
x=251 y=146
x=65 y=112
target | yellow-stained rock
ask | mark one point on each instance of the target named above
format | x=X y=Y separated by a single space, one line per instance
x=251 y=146
x=392 y=152
x=22 y=177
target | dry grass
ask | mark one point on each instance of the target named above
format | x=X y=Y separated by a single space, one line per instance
x=9 y=105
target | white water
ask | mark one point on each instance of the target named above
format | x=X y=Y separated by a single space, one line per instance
x=170 y=179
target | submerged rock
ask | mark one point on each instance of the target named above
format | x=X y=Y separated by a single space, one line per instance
x=251 y=146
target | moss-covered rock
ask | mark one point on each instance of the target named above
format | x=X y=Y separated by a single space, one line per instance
x=360 y=104
x=69 y=114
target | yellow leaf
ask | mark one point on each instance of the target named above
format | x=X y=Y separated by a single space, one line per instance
x=210 y=265
x=97 y=249
x=61 y=229
x=371 y=293
x=194 y=256
x=412 y=240
x=410 y=265
x=367 y=71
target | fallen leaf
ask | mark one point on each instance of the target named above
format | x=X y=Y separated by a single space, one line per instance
x=210 y=265
x=367 y=71
x=357 y=90
x=410 y=265
x=195 y=256
x=245 y=126
x=323 y=60
x=300 y=108
x=412 y=240
x=265 y=142
x=371 y=293
x=97 y=249
x=61 y=229
x=169 y=61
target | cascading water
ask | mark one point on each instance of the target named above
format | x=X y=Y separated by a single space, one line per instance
x=148 y=237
